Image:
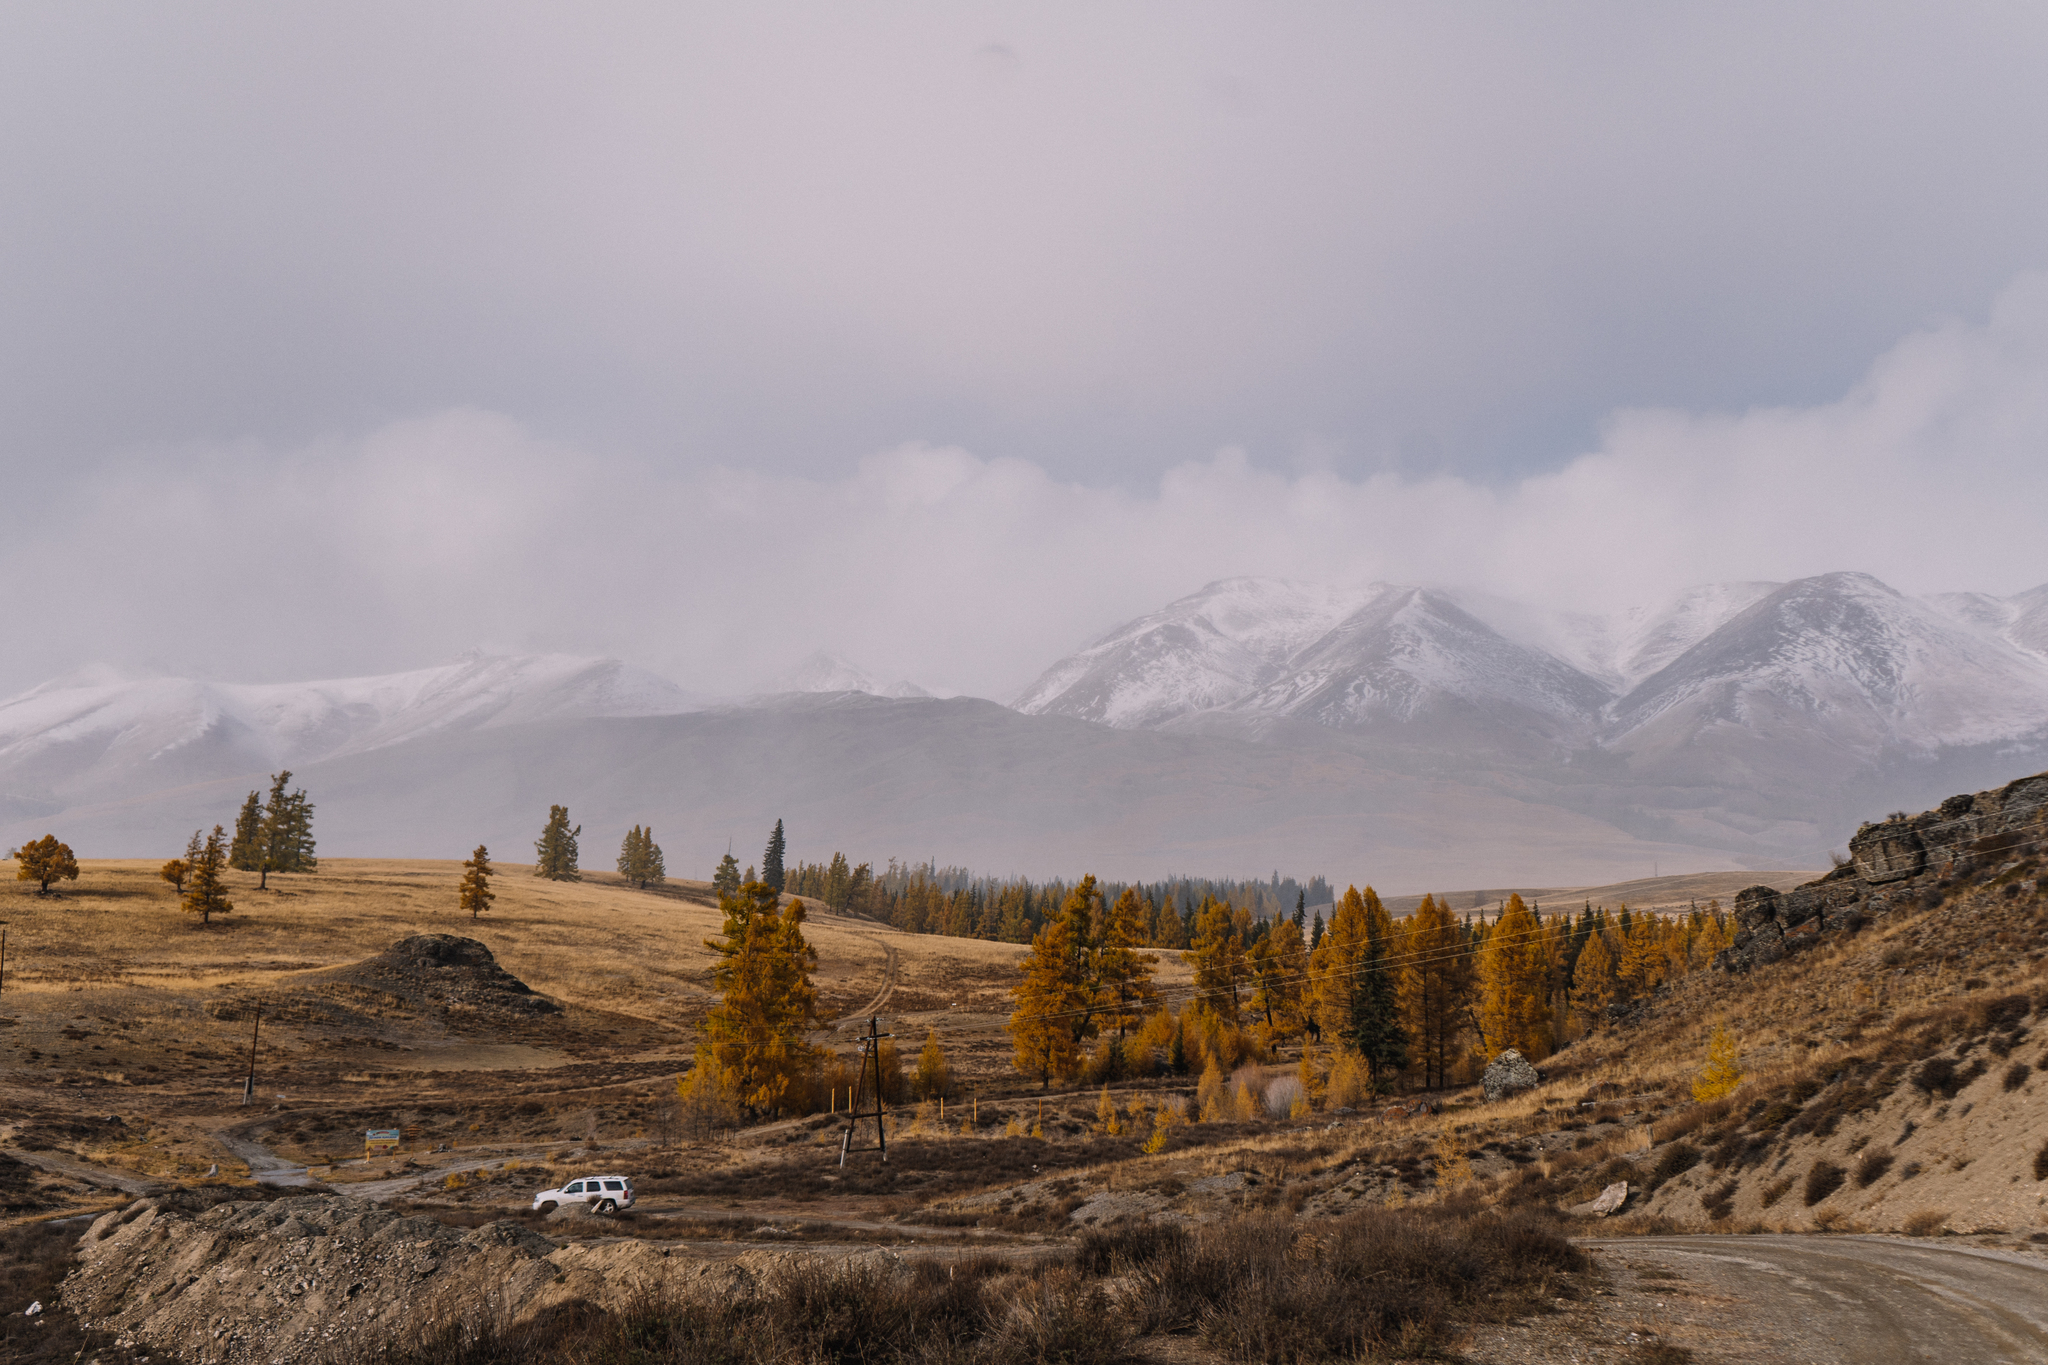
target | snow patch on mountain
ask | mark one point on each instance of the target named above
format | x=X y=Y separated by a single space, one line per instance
x=100 y=717
x=823 y=672
x=1204 y=650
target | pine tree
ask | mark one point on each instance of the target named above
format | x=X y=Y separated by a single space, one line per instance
x=1373 y=1027
x=1301 y=912
x=476 y=894
x=555 y=850
x=754 y=1043
x=1594 y=984
x=245 y=854
x=205 y=896
x=1515 y=972
x=43 y=861
x=1336 y=961
x=1050 y=996
x=1218 y=959
x=284 y=834
x=771 y=859
x=1315 y=935
x=726 y=880
x=1437 y=984
x=1123 y=975
x=640 y=859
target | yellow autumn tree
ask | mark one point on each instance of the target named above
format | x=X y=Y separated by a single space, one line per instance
x=1218 y=958
x=1437 y=980
x=1593 y=981
x=753 y=1047
x=1642 y=957
x=1335 y=964
x=1051 y=999
x=1723 y=1071
x=1515 y=983
x=1123 y=975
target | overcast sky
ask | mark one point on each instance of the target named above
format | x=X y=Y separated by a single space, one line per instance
x=345 y=338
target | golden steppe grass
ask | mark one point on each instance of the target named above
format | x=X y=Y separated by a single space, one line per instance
x=115 y=942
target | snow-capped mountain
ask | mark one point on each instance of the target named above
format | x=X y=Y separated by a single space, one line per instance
x=1772 y=689
x=1412 y=658
x=1845 y=661
x=101 y=731
x=822 y=672
x=1207 y=649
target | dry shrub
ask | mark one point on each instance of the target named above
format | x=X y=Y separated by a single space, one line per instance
x=2016 y=1076
x=1925 y=1222
x=1775 y=1191
x=2041 y=1163
x=1719 y=1202
x=1676 y=1160
x=979 y=1309
x=1378 y=1280
x=1871 y=1169
x=1823 y=1178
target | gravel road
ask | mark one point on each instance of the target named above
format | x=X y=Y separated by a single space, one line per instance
x=1849 y=1299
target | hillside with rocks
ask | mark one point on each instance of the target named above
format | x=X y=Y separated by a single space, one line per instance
x=1889 y=1017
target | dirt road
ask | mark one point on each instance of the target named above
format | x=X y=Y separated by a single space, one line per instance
x=1849 y=1299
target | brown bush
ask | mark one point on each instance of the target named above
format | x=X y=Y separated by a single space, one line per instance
x=2016 y=1076
x=2041 y=1163
x=1871 y=1169
x=1380 y=1279
x=1823 y=1178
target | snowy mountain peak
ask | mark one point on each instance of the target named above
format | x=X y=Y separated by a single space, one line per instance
x=88 y=727
x=1206 y=649
x=823 y=672
x=1840 y=655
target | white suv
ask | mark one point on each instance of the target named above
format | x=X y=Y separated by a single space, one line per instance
x=600 y=1193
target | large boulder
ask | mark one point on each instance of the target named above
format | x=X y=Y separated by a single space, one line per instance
x=1509 y=1074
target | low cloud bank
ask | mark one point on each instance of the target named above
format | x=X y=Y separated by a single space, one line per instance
x=466 y=529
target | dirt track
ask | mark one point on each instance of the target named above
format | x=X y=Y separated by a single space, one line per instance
x=1849 y=1299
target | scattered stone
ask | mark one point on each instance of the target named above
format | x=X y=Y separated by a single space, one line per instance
x=1607 y=1201
x=1509 y=1074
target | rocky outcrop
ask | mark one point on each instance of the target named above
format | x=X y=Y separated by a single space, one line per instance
x=444 y=979
x=1509 y=1074
x=1893 y=863
x=301 y=1278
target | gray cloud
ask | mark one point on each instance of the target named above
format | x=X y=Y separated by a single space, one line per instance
x=335 y=339
x=966 y=572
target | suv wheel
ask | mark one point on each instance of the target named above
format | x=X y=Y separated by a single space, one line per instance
x=547 y=1206
x=607 y=1206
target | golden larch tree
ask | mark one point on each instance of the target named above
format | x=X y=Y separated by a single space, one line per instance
x=475 y=894
x=1514 y=973
x=1437 y=983
x=754 y=1046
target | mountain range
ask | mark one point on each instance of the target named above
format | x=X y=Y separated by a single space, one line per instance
x=1412 y=735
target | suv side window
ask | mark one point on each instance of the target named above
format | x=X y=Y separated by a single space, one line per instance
x=615 y=1184
x=573 y=1187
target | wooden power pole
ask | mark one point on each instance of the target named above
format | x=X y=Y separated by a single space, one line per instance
x=870 y=1059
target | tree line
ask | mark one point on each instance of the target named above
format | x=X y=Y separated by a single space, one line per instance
x=1373 y=1002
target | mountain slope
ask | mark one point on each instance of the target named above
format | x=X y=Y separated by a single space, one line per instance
x=822 y=672
x=1836 y=670
x=961 y=780
x=97 y=734
x=1412 y=663
x=1206 y=649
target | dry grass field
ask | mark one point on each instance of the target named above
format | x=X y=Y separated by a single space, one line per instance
x=125 y=1028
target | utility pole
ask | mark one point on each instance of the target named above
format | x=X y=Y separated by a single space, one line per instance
x=870 y=1055
x=249 y=1086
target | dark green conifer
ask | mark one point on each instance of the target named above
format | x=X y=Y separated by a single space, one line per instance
x=245 y=852
x=555 y=850
x=771 y=860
